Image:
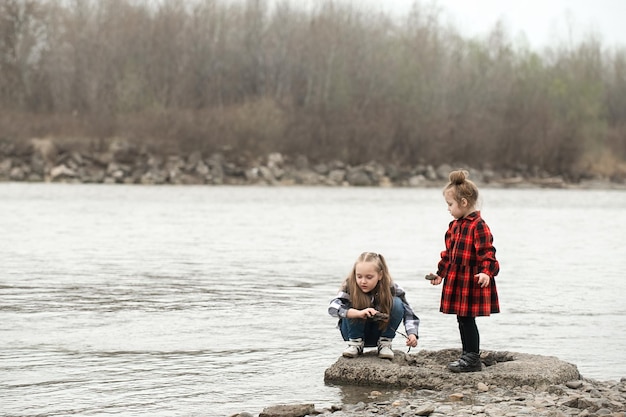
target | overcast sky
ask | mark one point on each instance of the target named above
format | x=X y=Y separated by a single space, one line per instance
x=544 y=22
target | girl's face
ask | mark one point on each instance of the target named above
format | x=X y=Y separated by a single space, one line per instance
x=456 y=209
x=367 y=275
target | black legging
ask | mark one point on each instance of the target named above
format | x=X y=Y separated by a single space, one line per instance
x=470 y=339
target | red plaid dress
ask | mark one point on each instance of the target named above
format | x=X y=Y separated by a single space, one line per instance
x=469 y=251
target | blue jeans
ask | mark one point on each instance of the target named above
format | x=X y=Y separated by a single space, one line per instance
x=368 y=330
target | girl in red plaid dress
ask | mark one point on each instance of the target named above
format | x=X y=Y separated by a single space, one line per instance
x=467 y=269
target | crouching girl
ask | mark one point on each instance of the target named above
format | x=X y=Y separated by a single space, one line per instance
x=370 y=307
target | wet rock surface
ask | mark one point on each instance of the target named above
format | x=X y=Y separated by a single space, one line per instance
x=510 y=384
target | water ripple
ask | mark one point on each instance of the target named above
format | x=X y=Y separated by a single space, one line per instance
x=208 y=301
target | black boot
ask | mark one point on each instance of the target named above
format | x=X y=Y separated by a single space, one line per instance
x=469 y=362
x=456 y=362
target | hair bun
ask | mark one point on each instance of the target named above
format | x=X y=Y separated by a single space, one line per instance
x=458 y=177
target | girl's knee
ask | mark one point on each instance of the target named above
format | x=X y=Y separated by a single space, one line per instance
x=397 y=305
x=397 y=312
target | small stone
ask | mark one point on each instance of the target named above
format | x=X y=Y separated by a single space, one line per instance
x=360 y=406
x=425 y=411
x=482 y=387
x=556 y=389
x=617 y=405
x=571 y=402
x=457 y=396
x=595 y=393
x=574 y=384
x=297 y=410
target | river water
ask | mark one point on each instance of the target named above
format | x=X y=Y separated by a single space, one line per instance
x=208 y=301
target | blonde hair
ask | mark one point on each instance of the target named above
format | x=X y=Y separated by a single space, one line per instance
x=462 y=187
x=381 y=293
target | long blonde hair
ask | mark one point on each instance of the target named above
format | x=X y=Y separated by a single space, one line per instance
x=383 y=298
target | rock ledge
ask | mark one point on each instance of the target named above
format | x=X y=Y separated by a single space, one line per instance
x=427 y=370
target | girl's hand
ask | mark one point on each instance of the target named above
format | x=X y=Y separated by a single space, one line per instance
x=436 y=281
x=367 y=313
x=411 y=340
x=483 y=279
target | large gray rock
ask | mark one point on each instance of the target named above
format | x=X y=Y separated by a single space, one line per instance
x=428 y=370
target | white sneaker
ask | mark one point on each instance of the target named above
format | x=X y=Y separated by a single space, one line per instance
x=354 y=349
x=384 y=348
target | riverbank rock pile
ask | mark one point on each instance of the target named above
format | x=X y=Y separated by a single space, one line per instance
x=510 y=384
x=122 y=162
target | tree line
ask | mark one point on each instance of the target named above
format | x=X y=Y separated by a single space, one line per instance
x=330 y=81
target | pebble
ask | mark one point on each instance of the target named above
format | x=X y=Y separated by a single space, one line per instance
x=482 y=387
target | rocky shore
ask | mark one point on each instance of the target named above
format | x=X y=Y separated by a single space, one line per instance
x=510 y=384
x=121 y=162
